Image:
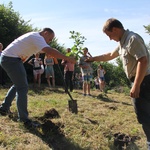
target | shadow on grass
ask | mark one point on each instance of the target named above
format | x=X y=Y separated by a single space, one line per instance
x=44 y=89
x=51 y=133
x=105 y=98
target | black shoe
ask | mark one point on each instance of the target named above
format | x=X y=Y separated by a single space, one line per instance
x=89 y=95
x=30 y=124
x=5 y=112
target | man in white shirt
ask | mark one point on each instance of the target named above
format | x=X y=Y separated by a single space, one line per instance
x=12 y=59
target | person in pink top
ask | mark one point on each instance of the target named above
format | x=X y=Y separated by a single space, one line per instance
x=68 y=72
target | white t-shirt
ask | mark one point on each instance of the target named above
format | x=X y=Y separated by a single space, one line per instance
x=25 y=46
x=101 y=72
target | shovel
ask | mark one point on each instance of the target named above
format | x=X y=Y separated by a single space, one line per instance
x=72 y=103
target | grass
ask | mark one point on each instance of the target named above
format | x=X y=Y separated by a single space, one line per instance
x=99 y=118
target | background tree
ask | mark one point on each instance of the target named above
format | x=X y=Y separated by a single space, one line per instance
x=79 y=40
x=11 y=24
x=147 y=28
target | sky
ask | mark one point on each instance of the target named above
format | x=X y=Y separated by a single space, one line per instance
x=86 y=17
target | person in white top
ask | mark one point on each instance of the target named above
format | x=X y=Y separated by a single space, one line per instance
x=38 y=68
x=101 y=72
x=12 y=59
x=96 y=82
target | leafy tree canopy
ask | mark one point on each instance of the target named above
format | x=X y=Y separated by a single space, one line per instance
x=147 y=28
x=11 y=24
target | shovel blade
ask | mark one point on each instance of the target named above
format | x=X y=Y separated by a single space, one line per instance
x=73 y=106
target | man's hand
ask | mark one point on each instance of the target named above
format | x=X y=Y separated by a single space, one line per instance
x=55 y=60
x=71 y=60
x=89 y=59
x=134 y=92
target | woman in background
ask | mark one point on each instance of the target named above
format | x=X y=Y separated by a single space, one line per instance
x=101 y=72
x=49 y=70
x=38 y=69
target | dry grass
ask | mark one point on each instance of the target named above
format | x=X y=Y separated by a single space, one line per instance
x=99 y=118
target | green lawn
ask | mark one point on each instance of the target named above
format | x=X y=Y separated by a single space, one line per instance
x=99 y=117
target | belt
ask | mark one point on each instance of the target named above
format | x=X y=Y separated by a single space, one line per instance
x=132 y=78
x=11 y=57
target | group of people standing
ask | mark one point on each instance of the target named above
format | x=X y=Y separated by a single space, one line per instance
x=86 y=77
x=39 y=66
x=38 y=69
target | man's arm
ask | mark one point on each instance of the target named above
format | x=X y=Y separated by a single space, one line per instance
x=104 y=57
x=140 y=74
x=55 y=53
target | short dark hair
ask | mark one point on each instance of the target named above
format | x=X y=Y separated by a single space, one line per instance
x=110 y=23
x=100 y=65
x=48 y=29
x=68 y=49
x=85 y=48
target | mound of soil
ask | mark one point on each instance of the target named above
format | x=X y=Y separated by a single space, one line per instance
x=122 y=141
x=52 y=113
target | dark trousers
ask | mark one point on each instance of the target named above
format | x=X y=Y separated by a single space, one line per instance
x=68 y=76
x=142 y=106
x=2 y=76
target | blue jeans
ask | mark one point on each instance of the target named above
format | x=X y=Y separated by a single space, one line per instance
x=15 y=70
x=87 y=78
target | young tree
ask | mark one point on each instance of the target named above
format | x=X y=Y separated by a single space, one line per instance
x=79 y=40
